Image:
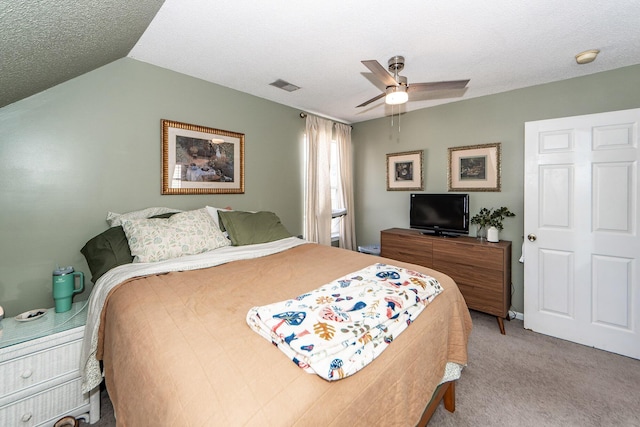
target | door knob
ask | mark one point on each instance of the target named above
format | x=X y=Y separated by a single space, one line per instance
x=532 y=237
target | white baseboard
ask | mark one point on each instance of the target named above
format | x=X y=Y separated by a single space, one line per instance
x=516 y=315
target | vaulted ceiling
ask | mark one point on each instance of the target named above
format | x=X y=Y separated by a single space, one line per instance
x=499 y=45
x=46 y=42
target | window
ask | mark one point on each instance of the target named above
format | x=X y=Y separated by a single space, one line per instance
x=337 y=210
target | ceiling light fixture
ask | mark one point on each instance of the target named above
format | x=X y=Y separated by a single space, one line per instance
x=587 y=56
x=396 y=95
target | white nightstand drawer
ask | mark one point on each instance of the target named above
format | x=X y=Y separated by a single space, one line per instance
x=26 y=371
x=44 y=406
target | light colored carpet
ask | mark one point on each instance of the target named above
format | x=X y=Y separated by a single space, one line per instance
x=528 y=379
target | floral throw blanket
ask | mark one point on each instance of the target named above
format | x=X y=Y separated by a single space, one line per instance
x=337 y=329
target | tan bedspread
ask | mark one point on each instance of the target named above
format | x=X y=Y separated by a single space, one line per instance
x=177 y=349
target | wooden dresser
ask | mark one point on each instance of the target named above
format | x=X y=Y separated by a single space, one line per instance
x=482 y=270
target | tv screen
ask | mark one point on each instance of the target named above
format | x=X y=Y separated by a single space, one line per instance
x=440 y=214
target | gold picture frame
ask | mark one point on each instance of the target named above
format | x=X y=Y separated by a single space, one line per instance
x=404 y=171
x=475 y=167
x=201 y=160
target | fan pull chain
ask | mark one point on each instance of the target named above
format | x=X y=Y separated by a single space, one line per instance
x=392 y=114
x=392 y=107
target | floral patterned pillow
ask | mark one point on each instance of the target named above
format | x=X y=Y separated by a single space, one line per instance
x=185 y=233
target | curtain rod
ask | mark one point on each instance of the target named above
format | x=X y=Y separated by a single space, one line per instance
x=304 y=115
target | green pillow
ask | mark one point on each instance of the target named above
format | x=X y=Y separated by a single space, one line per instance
x=109 y=249
x=248 y=228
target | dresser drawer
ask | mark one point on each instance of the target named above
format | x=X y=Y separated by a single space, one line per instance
x=407 y=248
x=484 y=278
x=480 y=255
x=486 y=301
x=44 y=406
x=26 y=371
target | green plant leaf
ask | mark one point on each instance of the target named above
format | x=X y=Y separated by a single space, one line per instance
x=492 y=217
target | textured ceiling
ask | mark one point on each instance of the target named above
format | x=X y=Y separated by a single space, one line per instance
x=499 y=44
x=47 y=42
x=246 y=44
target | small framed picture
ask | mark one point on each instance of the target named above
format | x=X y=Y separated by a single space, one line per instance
x=404 y=171
x=201 y=160
x=475 y=168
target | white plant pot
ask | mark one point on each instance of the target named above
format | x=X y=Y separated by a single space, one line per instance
x=492 y=234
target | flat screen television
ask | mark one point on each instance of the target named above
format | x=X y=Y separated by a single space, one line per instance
x=440 y=214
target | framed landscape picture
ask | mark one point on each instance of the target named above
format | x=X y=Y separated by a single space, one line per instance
x=475 y=168
x=404 y=171
x=201 y=160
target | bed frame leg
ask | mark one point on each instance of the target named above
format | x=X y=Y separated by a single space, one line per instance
x=450 y=398
x=446 y=393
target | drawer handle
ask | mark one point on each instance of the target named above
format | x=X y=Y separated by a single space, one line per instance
x=26 y=374
x=26 y=417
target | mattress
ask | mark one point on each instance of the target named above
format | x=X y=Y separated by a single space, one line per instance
x=176 y=348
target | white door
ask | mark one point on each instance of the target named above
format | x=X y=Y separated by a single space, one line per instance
x=582 y=243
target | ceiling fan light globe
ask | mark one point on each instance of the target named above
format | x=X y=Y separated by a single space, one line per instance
x=396 y=95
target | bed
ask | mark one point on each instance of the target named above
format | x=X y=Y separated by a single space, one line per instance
x=172 y=341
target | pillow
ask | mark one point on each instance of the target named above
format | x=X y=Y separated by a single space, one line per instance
x=109 y=249
x=248 y=228
x=185 y=233
x=106 y=250
x=114 y=219
x=214 y=214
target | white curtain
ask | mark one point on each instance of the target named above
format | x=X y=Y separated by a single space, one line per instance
x=317 y=224
x=345 y=186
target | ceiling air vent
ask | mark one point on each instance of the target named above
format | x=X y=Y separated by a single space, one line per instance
x=285 y=85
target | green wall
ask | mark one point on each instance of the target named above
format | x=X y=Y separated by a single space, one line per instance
x=72 y=153
x=91 y=145
x=495 y=118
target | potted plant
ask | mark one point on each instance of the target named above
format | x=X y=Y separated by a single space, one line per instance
x=488 y=218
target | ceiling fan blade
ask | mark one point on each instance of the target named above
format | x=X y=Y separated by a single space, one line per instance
x=375 y=98
x=453 y=84
x=379 y=71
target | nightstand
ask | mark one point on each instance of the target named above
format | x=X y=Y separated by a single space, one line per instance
x=40 y=378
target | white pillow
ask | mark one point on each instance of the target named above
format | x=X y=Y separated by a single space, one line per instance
x=115 y=219
x=185 y=233
x=214 y=214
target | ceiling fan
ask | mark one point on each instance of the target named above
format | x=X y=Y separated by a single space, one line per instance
x=398 y=90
